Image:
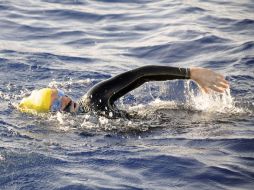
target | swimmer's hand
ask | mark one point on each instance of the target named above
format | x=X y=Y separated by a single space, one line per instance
x=208 y=80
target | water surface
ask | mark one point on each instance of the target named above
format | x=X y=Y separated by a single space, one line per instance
x=182 y=138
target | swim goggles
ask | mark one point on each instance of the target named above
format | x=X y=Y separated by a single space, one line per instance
x=57 y=103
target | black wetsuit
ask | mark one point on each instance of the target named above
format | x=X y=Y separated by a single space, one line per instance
x=102 y=96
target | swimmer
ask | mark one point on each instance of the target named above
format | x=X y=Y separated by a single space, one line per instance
x=102 y=96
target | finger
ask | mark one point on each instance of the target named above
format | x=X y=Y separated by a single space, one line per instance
x=221 y=78
x=204 y=90
x=222 y=84
x=217 y=89
x=225 y=82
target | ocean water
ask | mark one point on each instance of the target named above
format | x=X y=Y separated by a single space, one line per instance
x=183 y=139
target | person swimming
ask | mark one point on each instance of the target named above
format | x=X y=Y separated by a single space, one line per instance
x=101 y=97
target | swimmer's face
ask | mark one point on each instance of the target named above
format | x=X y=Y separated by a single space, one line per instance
x=61 y=102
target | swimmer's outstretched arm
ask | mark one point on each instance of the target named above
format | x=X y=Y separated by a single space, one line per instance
x=117 y=86
x=108 y=91
x=206 y=79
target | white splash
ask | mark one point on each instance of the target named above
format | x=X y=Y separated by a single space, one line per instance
x=103 y=120
x=2 y=158
x=66 y=84
x=59 y=118
x=195 y=100
x=213 y=102
x=63 y=121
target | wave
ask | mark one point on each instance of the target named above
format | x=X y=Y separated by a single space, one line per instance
x=66 y=2
x=190 y=10
x=123 y=1
x=178 y=51
x=35 y=58
x=244 y=23
x=246 y=46
x=76 y=15
x=217 y=21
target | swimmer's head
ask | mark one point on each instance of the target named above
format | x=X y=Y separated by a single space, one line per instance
x=40 y=101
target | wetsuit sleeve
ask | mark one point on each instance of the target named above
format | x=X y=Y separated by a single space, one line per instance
x=117 y=86
x=130 y=80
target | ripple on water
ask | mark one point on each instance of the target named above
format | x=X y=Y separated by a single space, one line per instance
x=179 y=51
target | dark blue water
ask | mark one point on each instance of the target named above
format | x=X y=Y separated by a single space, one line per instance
x=182 y=140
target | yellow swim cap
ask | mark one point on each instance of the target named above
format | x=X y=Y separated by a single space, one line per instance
x=39 y=101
